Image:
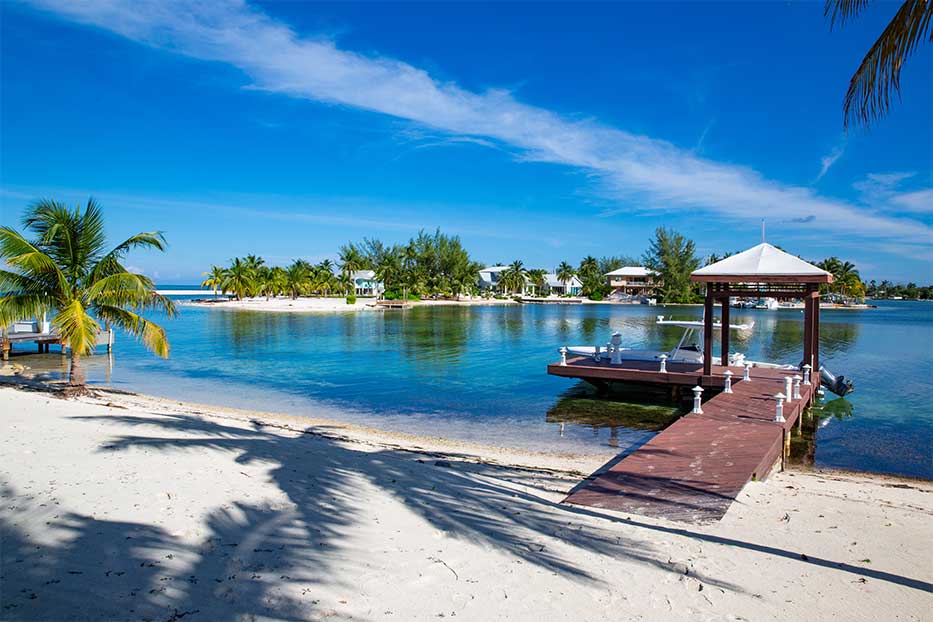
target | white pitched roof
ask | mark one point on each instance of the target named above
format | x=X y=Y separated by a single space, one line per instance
x=553 y=281
x=764 y=261
x=494 y=269
x=631 y=271
x=363 y=274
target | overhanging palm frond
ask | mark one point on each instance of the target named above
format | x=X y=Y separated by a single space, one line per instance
x=842 y=10
x=19 y=254
x=128 y=289
x=878 y=77
x=152 y=335
x=74 y=321
x=17 y=307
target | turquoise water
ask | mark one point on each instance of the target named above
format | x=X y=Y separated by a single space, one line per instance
x=478 y=373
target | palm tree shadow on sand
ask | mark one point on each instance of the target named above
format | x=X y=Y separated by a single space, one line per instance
x=265 y=560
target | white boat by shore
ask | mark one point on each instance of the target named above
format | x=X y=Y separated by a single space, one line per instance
x=686 y=350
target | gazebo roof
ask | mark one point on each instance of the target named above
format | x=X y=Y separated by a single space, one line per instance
x=762 y=264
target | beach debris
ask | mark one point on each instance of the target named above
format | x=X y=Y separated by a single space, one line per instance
x=443 y=463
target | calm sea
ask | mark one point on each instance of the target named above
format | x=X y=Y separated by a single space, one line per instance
x=478 y=373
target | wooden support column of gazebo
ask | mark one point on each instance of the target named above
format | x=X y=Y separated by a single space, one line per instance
x=763 y=271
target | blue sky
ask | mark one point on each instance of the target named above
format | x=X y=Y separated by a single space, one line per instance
x=542 y=132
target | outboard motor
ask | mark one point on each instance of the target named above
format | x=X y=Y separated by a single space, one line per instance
x=837 y=384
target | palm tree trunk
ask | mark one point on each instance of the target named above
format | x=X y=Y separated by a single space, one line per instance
x=76 y=374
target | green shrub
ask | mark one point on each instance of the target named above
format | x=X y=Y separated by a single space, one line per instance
x=351 y=299
x=597 y=296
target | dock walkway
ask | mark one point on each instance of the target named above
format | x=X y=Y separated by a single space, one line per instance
x=693 y=470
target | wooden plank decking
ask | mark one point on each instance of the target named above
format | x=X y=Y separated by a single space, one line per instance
x=693 y=470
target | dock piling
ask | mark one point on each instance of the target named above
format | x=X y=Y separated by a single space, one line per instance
x=797 y=379
x=746 y=374
x=728 y=384
x=806 y=375
x=663 y=364
x=563 y=356
x=788 y=389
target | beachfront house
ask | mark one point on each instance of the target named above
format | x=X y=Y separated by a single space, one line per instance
x=489 y=278
x=366 y=284
x=573 y=287
x=632 y=281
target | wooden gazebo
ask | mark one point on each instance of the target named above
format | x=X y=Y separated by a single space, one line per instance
x=763 y=271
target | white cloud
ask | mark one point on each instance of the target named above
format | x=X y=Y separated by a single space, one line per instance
x=651 y=173
x=919 y=201
x=828 y=160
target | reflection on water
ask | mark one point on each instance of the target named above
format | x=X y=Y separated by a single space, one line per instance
x=479 y=373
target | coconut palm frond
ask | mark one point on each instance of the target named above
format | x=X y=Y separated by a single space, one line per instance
x=20 y=255
x=878 y=78
x=152 y=335
x=128 y=289
x=76 y=323
x=842 y=10
x=17 y=307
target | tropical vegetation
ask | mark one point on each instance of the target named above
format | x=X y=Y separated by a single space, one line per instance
x=67 y=269
x=672 y=258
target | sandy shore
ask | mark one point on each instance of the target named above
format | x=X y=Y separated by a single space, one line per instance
x=315 y=305
x=122 y=507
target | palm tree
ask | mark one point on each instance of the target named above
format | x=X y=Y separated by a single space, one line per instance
x=565 y=274
x=536 y=278
x=589 y=267
x=514 y=277
x=879 y=74
x=389 y=270
x=214 y=280
x=239 y=278
x=296 y=277
x=67 y=270
x=351 y=259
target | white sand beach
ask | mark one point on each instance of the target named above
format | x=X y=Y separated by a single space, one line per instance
x=329 y=305
x=123 y=507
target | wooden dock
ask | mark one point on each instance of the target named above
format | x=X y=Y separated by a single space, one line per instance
x=693 y=470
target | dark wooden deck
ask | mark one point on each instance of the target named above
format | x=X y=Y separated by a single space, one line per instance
x=693 y=470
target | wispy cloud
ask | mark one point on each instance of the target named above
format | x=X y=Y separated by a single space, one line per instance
x=638 y=170
x=828 y=160
x=883 y=191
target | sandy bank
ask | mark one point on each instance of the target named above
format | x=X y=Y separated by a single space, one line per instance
x=314 y=305
x=123 y=507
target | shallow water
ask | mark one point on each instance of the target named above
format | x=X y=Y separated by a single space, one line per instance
x=478 y=373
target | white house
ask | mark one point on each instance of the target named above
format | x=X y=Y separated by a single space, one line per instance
x=632 y=280
x=573 y=287
x=365 y=283
x=489 y=280
x=489 y=277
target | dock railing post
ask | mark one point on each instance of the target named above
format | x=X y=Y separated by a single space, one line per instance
x=746 y=374
x=779 y=408
x=616 y=348
x=797 y=380
x=596 y=353
x=663 y=363
x=788 y=389
x=697 y=400
x=563 y=356
x=728 y=387
x=806 y=375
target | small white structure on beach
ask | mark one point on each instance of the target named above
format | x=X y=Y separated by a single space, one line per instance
x=366 y=284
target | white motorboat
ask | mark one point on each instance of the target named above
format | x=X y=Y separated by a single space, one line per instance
x=686 y=351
